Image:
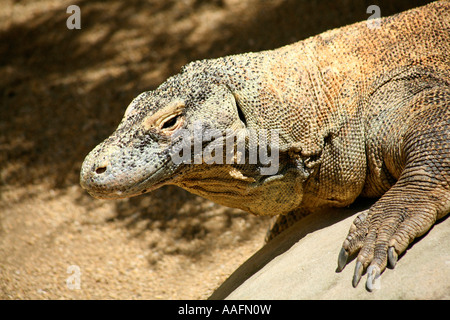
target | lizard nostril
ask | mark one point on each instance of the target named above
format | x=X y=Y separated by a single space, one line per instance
x=100 y=170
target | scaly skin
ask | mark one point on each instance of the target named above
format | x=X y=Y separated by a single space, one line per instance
x=359 y=111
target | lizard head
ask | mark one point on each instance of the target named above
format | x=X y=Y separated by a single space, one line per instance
x=180 y=134
x=139 y=156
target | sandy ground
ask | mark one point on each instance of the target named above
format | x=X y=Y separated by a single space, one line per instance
x=63 y=91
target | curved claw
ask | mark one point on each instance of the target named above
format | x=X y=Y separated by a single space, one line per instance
x=373 y=274
x=392 y=257
x=357 y=274
x=342 y=260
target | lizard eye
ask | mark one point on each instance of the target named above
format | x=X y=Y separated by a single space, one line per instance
x=171 y=123
x=241 y=116
x=240 y=113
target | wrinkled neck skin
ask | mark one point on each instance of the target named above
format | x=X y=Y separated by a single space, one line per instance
x=137 y=157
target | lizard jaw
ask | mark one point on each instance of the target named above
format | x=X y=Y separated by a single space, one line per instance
x=135 y=190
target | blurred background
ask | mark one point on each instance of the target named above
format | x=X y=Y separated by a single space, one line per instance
x=63 y=91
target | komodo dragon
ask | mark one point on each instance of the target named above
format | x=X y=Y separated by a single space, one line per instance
x=359 y=112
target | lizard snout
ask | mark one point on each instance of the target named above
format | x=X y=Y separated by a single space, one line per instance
x=112 y=172
x=98 y=174
x=94 y=176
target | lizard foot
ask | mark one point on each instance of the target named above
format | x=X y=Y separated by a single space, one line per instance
x=379 y=236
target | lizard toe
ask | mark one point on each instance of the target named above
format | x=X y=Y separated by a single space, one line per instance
x=342 y=260
x=359 y=269
x=373 y=276
x=354 y=240
x=392 y=257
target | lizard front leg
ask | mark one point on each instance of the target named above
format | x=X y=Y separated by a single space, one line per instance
x=283 y=222
x=414 y=203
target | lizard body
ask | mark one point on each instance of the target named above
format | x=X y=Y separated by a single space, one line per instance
x=358 y=112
